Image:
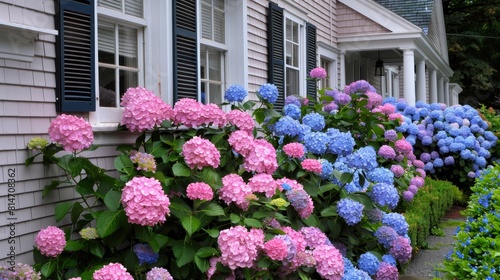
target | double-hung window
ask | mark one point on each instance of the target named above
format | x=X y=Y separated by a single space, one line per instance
x=294 y=52
x=212 y=51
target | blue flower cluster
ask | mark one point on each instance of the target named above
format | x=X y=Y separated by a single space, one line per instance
x=145 y=253
x=315 y=121
x=235 y=93
x=269 y=92
x=363 y=158
x=369 y=263
x=350 y=210
x=340 y=143
x=397 y=222
x=385 y=195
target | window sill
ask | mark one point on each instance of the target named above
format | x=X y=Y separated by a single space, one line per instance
x=107 y=134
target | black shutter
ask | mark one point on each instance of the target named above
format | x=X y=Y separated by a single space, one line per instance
x=75 y=53
x=311 y=58
x=276 y=51
x=185 y=51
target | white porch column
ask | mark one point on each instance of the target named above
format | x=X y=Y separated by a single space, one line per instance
x=441 y=89
x=421 y=87
x=447 y=98
x=342 y=70
x=409 y=76
x=433 y=96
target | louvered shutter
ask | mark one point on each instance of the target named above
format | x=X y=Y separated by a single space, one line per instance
x=75 y=56
x=185 y=51
x=311 y=58
x=276 y=51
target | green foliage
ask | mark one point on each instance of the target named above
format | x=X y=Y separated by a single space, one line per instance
x=476 y=253
x=429 y=205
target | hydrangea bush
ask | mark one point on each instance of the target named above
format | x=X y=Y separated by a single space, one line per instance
x=476 y=252
x=454 y=142
x=203 y=193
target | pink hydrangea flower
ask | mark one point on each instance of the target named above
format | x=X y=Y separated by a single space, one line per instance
x=292 y=183
x=421 y=172
x=234 y=189
x=404 y=147
x=387 y=109
x=387 y=272
x=144 y=161
x=213 y=267
x=276 y=249
x=318 y=73
x=213 y=115
x=75 y=278
x=329 y=263
x=313 y=236
x=112 y=271
x=298 y=239
x=72 y=133
x=417 y=181
x=145 y=202
x=418 y=163
x=301 y=201
x=241 y=141
x=143 y=110
x=396 y=116
x=200 y=191
x=241 y=120
x=262 y=158
x=312 y=165
x=398 y=170
x=401 y=249
x=386 y=152
x=294 y=150
x=50 y=241
x=374 y=99
x=239 y=247
x=263 y=183
x=187 y=112
x=199 y=152
x=157 y=273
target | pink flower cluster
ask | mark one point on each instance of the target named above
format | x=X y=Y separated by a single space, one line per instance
x=200 y=191
x=191 y=113
x=50 y=241
x=234 y=189
x=298 y=197
x=240 y=247
x=387 y=272
x=112 y=271
x=241 y=141
x=387 y=152
x=276 y=249
x=143 y=110
x=262 y=158
x=312 y=165
x=145 y=202
x=294 y=150
x=313 y=236
x=263 y=183
x=241 y=120
x=72 y=133
x=404 y=147
x=157 y=273
x=318 y=73
x=329 y=263
x=144 y=161
x=199 y=152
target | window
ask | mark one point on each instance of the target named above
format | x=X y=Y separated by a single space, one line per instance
x=119 y=45
x=292 y=52
x=325 y=64
x=212 y=51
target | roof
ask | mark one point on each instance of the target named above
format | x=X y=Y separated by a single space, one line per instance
x=418 y=12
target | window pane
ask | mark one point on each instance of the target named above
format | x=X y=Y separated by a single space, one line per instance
x=206 y=21
x=215 y=94
x=128 y=79
x=219 y=4
x=107 y=94
x=215 y=68
x=288 y=29
x=127 y=46
x=219 y=26
x=134 y=7
x=203 y=62
x=106 y=42
x=292 y=82
x=111 y=4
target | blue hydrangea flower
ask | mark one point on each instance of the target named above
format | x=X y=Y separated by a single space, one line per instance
x=413 y=129
x=235 y=93
x=340 y=143
x=466 y=154
x=292 y=111
x=449 y=160
x=385 y=235
x=427 y=140
x=326 y=169
x=374 y=215
x=456 y=147
x=347 y=264
x=316 y=142
x=481 y=161
x=488 y=135
x=389 y=259
x=268 y=92
x=287 y=126
x=364 y=158
x=369 y=263
x=145 y=253
x=315 y=120
x=385 y=195
x=470 y=142
x=350 y=210
x=381 y=175
x=397 y=222
x=438 y=163
x=356 y=274
x=436 y=115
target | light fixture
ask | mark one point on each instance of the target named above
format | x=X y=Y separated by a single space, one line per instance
x=379 y=66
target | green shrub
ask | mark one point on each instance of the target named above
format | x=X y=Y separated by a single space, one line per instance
x=428 y=207
x=476 y=253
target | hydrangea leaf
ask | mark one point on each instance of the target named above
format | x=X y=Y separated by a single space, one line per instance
x=213 y=209
x=62 y=209
x=109 y=221
x=112 y=200
x=191 y=224
x=181 y=170
x=184 y=252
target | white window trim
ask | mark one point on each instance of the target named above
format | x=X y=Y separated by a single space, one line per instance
x=302 y=50
x=327 y=52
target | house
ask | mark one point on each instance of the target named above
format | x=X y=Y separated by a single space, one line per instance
x=79 y=57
